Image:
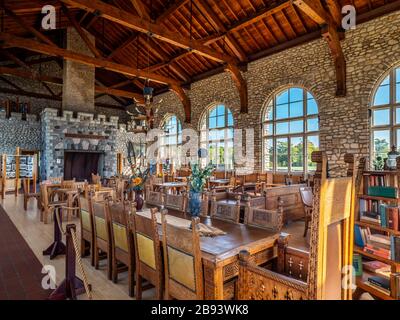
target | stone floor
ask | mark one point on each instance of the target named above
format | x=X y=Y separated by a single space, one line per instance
x=39 y=236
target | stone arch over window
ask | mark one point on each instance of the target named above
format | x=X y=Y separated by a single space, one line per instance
x=290 y=130
x=216 y=136
x=385 y=114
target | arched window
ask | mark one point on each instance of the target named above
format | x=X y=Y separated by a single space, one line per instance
x=385 y=115
x=171 y=140
x=290 y=131
x=216 y=136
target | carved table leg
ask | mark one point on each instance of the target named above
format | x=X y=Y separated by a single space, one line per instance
x=213 y=283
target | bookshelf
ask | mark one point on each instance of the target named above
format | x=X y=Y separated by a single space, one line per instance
x=377 y=199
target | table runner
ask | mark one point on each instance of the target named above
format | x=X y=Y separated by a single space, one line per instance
x=204 y=230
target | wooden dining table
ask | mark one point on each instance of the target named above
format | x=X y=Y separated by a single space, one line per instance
x=170 y=187
x=220 y=254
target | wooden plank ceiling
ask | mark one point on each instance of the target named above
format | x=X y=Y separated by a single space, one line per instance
x=173 y=43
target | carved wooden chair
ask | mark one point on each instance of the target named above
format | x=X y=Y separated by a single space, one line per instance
x=265 y=219
x=28 y=194
x=148 y=257
x=102 y=247
x=228 y=211
x=330 y=247
x=96 y=179
x=307 y=198
x=182 y=261
x=50 y=199
x=55 y=180
x=154 y=198
x=121 y=241
x=177 y=202
x=87 y=234
x=68 y=184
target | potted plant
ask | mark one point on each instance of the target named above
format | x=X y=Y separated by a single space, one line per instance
x=197 y=181
x=136 y=184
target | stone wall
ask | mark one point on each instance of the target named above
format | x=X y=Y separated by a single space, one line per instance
x=55 y=143
x=370 y=50
x=15 y=132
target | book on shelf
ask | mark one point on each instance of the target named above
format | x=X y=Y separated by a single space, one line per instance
x=357 y=264
x=380 y=213
x=395 y=248
x=377 y=267
x=376 y=180
x=384 y=291
x=380 y=283
x=383 y=191
x=396 y=285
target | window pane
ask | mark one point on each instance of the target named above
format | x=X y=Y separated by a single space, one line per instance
x=381 y=143
x=312 y=124
x=296 y=109
x=268 y=129
x=312 y=145
x=282 y=128
x=296 y=94
x=397 y=92
x=221 y=121
x=312 y=107
x=221 y=110
x=230 y=119
x=398 y=139
x=213 y=112
x=397 y=115
x=213 y=123
x=282 y=111
x=382 y=95
x=296 y=154
x=296 y=126
x=268 y=154
x=269 y=113
x=282 y=157
x=381 y=117
x=283 y=97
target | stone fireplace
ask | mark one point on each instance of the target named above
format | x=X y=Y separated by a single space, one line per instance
x=85 y=133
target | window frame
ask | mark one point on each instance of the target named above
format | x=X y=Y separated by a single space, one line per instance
x=304 y=134
x=206 y=141
x=166 y=146
x=392 y=127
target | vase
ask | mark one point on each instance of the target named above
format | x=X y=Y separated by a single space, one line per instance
x=194 y=203
x=139 y=200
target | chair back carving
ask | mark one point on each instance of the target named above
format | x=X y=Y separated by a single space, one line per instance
x=175 y=202
x=96 y=179
x=266 y=219
x=225 y=211
x=147 y=251
x=257 y=283
x=118 y=213
x=68 y=184
x=182 y=261
x=154 y=198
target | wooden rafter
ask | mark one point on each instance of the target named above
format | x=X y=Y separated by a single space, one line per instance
x=315 y=10
x=25 y=74
x=334 y=9
x=141 y=9
x=81 y=32
x=13 y=41
x=218 y=25
x=156 y=30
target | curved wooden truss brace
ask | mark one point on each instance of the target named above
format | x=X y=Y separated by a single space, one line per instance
x=241 y=85
x=329 y=23
x=185 y=101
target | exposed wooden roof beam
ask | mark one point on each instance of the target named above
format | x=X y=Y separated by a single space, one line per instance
x=58 y=81
x=241 y=85
x=81 y=32
x=334 y=9
x=141 y=9
x=175 y=6
x=27 y=27
x=218 y=25
x=131 y=21
x=32 y=45
x=315 y=10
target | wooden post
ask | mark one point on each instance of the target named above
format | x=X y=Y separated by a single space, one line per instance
x=17 y=160
x=71 y=286
x=57 y=247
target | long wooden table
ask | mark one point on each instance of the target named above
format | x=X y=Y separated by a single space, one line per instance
x=220 y=254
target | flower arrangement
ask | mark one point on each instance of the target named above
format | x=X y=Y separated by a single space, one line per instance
x=199 y=177
x=379 y=163
x=138 y=179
